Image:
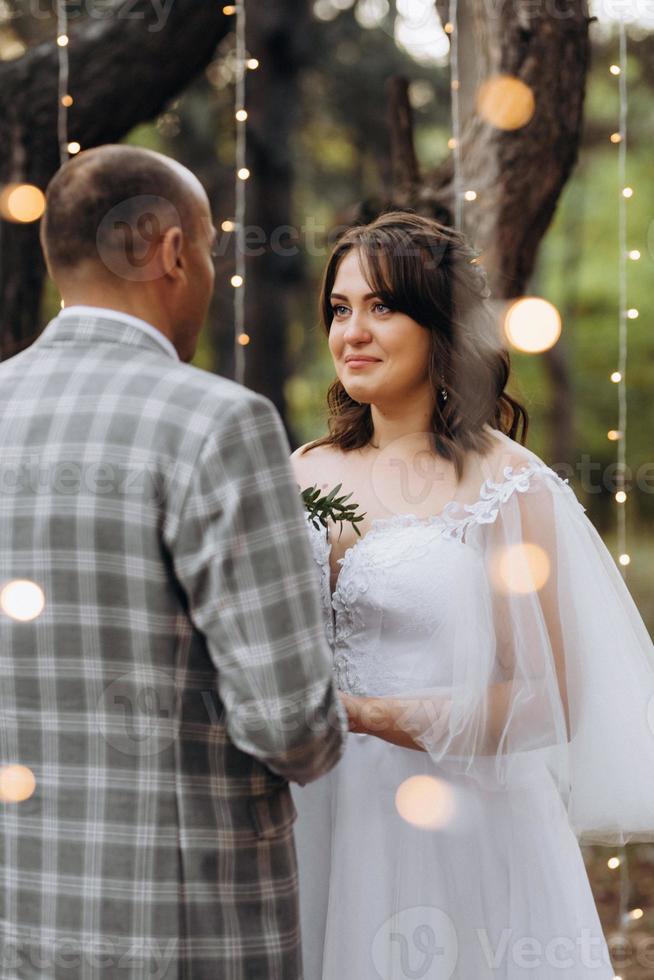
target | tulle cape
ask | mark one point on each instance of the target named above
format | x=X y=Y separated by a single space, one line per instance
x=553 y=665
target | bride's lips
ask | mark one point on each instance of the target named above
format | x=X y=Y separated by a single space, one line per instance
x=361 y=361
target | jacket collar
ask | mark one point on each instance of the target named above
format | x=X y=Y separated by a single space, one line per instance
x=100 y=328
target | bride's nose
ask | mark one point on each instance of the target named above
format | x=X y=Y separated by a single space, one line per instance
x=357 y=328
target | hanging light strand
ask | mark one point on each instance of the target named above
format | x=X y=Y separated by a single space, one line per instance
x=64 y=76
x=242 y=175
x=452 y=30
x=622 y=298
x=621 y=442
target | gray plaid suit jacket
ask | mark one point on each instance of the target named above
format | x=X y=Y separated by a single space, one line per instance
x=177 y=677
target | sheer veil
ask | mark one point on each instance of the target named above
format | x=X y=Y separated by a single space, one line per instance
x=553 y=665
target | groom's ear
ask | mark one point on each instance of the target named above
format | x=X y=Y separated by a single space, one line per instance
x=172 y=243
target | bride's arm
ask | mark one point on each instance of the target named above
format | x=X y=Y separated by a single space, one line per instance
x=400 y=720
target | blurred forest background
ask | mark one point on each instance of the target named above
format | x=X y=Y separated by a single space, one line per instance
x=319 y=131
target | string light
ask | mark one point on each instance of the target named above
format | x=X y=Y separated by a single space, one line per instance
x=67 y=147
x=453 y=34
x=242 y=174
x=619 y=377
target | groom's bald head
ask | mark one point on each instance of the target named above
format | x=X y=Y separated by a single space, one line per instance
x=131 y=230
x=108 y=199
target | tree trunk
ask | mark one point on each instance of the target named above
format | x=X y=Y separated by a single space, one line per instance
x=123 y=72
x=518 y=175
x=278 y=36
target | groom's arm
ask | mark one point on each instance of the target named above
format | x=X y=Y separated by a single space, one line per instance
x=242 y=555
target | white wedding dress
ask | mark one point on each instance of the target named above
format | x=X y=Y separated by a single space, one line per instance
x=494 y=887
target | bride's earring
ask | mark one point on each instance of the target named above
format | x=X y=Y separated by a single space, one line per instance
x=443 y=390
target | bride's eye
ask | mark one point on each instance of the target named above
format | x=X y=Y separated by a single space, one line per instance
x=382 y=308
x=338 y=310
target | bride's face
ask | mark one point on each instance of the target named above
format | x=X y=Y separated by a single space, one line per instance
x=363 y=326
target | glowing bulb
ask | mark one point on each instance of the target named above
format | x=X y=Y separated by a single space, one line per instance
x=451 y=143
x=613 y=435
x=449 y=28
x=505 y=102
x=229 y=10
x=74 y=148
x=615 y=69
x=636 y=914
x=624 y=559
x=253 y=64
x=426 y=802
x=628 y=192
x=17 y=783
x=241 y=115
x=613 y=862
x=615 y=137
x=532 y=324
x=470 y=195
x=616 y=376
x=621 y=496
x=632 y=313
x=243 y=173
x=243 y=339
x=22 y=600
x=22 y=203
x=237 y=281
x=62 y=40
x=67 y=101
x=228 y=225
x=634 y=255
x=455 y=84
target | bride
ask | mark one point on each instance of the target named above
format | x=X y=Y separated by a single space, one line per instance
x=498 y=678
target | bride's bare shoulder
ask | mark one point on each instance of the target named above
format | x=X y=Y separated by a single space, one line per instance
x=317 y=465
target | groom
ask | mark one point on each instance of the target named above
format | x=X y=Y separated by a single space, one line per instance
x=164 y=667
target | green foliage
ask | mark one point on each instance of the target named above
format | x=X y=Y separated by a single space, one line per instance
x=321 y=507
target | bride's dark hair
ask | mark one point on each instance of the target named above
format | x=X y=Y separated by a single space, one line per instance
x=429 y=272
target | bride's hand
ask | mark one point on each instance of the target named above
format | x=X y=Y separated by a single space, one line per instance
x=352 y=708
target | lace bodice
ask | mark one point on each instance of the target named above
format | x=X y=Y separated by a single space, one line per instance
x=392 y=599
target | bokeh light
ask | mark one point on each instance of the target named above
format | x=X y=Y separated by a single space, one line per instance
x=22 y=203
x=520 y=569
x=532 y=324
x=17 y=783
x=22 y=600
x=426 y=802
x=505 y=102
